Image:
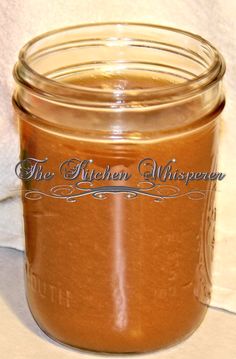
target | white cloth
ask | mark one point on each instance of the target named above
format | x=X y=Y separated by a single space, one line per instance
x=214 y=20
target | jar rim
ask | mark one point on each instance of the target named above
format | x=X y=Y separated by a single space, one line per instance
x=187 y=88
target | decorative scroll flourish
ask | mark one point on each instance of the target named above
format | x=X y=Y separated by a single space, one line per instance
x=72 y=193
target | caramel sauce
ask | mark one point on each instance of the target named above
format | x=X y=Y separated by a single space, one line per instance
x=116 y=273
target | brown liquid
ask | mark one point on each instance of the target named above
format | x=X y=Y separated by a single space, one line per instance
x=119 y=274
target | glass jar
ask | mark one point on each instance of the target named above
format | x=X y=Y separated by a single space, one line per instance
x=119 y=132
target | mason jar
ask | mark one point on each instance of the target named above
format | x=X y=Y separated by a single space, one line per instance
x=118 y=127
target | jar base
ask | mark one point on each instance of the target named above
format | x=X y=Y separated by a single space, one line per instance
x=88 y=350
